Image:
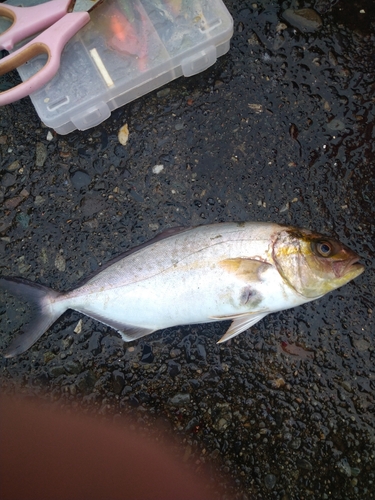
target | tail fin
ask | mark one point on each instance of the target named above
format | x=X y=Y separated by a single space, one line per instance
x=45 y=311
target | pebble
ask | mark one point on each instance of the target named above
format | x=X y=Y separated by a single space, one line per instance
x=118 y=381
x=23 y=220
x=80 y=179
x=180 y=399
x=123 y=134
x=361 y=344
x=8 y=180
x=39 y=200
x=156 y=169
x=91 y=204
x=40 y=154
x=147 y=354
x=78 y=328
x=60 y=262
x=86 y=381
x=5 y=223
x=163 y=92
x=174 y=368
x=91 y=224
x=12 y=203
x=302 y=463
x=56 y=371
x=221 y=425
x=175 y=353
x=270 y=481
x=344 y=467
x=306 y=20
x=335 y=125
x=72 y=367
x=14 y=166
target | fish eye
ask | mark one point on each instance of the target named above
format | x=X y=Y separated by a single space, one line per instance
x=323 y=248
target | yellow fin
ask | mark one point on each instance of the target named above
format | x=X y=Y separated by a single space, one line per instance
x=246 y=269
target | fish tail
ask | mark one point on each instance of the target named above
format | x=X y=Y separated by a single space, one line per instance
x=45 y=311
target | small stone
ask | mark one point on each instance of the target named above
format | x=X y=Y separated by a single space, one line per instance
x=347 y=385
x=92 y=204
x=14 y=166
x=123 y=134
x=48 y=356
x=49 y=136
x=296 y=443
x=175 y=353
x=174 y=368
x=60 y=262
x=344 y=467
x=270 y=481
x=12 y=203
x=72 y=367
x=23 y=220
x=40 y=154
x=304 y=464
x=222 y=424
x=361 y=344
x=179 y=126
x=306 y=20
x=277 y=382
x=86 y=381
x=78 y=328
x=147 y=354
x=91 y=224
x=95 y=343
x=281 y=27
x=118 y=381
x=80 y=179
x=201 y=351
x=39 y=200
x=253 y=40
x=163 y=92
x=8 y=180
x=56 y=371
x=180 y=399
x=335 y=125
x=156 y=169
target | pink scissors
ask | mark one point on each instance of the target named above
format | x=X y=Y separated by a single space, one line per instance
x=60 y=24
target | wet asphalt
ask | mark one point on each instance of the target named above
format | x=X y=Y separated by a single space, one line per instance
x=279 y=129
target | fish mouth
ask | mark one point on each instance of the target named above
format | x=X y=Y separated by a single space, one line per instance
x=349 y=267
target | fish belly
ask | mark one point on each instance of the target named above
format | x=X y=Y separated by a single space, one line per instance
x=180 y=297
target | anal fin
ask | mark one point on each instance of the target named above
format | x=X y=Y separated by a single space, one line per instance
x=127 y=332
x=240 y=323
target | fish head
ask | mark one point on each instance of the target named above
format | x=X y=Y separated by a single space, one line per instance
x=314 y=264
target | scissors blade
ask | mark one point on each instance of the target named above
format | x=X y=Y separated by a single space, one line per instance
x=85 y=5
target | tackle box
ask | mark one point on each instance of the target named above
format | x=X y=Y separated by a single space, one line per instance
x=129 y=48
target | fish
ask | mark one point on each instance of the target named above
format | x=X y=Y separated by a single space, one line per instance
x=238 y=271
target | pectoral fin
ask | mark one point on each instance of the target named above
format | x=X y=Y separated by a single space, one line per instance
x=240 y=323
x=249 y=270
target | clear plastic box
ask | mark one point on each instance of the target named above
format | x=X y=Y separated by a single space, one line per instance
x=129 y=48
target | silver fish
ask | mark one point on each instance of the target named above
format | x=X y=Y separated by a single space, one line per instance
x=229 y=271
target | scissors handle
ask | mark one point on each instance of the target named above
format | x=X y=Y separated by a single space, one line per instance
x=50 y=42
x=28 y=21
